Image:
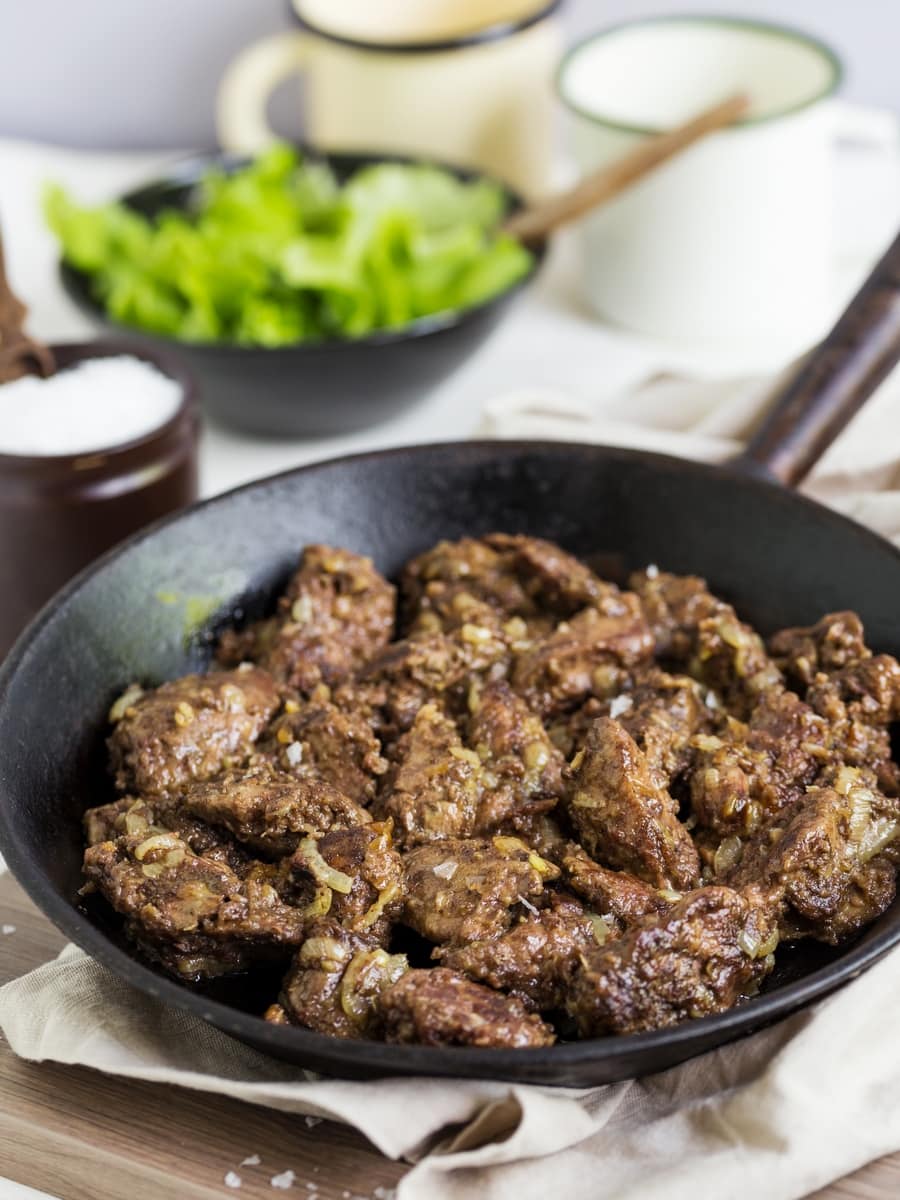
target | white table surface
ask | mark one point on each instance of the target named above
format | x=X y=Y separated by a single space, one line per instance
x=549 y=340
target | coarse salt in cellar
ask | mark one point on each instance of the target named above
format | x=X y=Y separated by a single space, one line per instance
x=96 y=404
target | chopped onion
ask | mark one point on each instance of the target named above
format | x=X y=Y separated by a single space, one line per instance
x=755 y=948
x=475 y=635
x=706 y=741
x=880 y=833
x=159 y=841
x=509 y=845
x=600 y=926
x=860 y=813
x=727 y=855
x=320 y=905
x=845 y=779
x=465 y=755
x=324 y=952
x=302 y=610
x=133 y=692
x=367 y=974
x=748 y=943
x=308 y=853
x=536 y=755
x=385 y=896
x=541 y=865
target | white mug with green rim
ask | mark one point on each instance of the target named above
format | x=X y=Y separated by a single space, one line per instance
x=469 y=81
x=731 y=239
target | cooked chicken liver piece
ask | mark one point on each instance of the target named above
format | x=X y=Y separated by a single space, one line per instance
x=458 y=582
x=469 y=889
x=202 y=916
x=336 y=613
x=622 y=816
x=435 y=787
x=587 y=655
x=441 y=1008
x=317 y=740
x=619 y=897
x=362 y=882
x=688 y=961
x=746 y=773
x=190 y=729
x=663 y=712
x=271 y=811
x=522 y=767
x=822 y=868
x=158 y=814
x=536 y=957
x=834 y=642
x=335 y=982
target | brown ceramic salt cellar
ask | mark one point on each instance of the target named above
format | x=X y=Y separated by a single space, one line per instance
x=59 y=512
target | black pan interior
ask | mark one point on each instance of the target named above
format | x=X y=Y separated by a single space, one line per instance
x=149 y=610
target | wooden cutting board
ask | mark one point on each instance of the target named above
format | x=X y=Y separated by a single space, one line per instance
x=80 y=1135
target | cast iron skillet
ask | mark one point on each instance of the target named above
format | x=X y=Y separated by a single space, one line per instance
x=781 y=558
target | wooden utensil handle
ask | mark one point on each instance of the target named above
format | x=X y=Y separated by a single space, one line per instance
x=537 y=221
x=834 y=382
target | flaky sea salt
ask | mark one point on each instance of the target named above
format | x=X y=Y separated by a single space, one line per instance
x=620 y=705
x=6 y=930
x=232 y=1179
x=252 y=1160
x=294 y=754
x=652 y=571
x=284 y=1181
x=96 y=404
x=311 y=1122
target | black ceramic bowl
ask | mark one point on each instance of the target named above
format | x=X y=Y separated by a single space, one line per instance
x=618 y=508
x=321 y=388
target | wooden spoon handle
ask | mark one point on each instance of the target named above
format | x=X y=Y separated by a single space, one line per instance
x=596 y=189
x=834 y=382
x=19 y=353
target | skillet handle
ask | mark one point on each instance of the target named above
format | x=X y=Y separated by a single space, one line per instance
x=834 y=381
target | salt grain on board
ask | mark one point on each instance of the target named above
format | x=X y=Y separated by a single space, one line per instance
x=6 y=930
x=284 y=1180
x=253 y=1160
x=232 y=1180
x=98 y=403
x=311 y=1122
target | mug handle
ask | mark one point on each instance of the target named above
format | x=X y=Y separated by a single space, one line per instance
x=864 y=126
x=242 y=122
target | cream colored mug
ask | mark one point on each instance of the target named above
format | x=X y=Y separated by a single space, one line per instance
x=731 y=240
x=468 y=81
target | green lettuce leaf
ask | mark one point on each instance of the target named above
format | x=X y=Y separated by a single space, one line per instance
x=279 y=252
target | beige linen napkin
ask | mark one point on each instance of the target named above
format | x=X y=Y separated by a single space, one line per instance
x=709 y=419
x=777 y=1114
